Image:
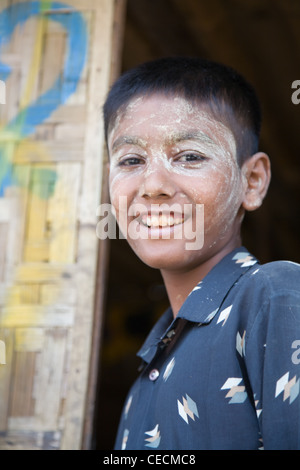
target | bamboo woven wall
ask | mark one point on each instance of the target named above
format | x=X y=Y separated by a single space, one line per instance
x=56 y=63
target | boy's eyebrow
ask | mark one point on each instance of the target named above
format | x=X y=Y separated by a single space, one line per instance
x=126 y=139
x=172 y=139
x=190 y=135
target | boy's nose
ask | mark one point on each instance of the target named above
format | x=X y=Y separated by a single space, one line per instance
x=157 y=183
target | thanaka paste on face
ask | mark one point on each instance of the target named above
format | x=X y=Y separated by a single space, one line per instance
x=214 y=139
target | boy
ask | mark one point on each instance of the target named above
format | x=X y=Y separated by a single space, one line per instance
x=221 y=366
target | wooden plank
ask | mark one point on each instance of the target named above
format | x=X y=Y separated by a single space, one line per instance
x=62 y=213
x=3 y=242
x=100 y=54
x=42 y=272
x=11 y=219
x=61 y=294
x=32 y=440
x=53 y=55
x=24 y=294
x=36 y=239
x=48 y=380
x=12 y=83
x=2 y=352
x=37 y=315
x=21 y=403
x=117 y=32
x=29 y=339
x=71 y=113
x=7 y=336
x=49 y=150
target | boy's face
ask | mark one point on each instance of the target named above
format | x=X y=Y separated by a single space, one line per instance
x=169 y=161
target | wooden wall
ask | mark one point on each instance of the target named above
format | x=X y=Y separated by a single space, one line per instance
x=56 y=60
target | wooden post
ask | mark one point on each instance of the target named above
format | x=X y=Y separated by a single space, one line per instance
x=59 y=59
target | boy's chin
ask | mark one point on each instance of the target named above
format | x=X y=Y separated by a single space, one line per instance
x=168 y=258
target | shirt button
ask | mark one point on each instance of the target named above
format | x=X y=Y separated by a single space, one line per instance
x=153 y=375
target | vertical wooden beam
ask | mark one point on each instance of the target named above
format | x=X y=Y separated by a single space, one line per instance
x=103 y=249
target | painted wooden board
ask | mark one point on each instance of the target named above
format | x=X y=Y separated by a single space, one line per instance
x=57 y=68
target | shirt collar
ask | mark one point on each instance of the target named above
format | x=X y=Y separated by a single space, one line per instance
x=205 y=300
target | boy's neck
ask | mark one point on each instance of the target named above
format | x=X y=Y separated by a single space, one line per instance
x=180 y=284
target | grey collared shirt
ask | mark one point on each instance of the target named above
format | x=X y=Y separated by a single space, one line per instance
x=225 y=373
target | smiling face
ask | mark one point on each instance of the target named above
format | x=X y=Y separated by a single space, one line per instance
x=170 y=160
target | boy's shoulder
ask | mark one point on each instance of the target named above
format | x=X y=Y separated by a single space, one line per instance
x=275 y=276
x=270 y=291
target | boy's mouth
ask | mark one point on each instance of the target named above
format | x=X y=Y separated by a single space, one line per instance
x=176 y=222
x=161 y=220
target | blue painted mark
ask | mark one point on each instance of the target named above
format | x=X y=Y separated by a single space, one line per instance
x=65 y=84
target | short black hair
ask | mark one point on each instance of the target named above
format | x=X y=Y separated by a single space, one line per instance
x=223 y=91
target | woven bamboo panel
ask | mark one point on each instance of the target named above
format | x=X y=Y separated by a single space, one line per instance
x=56 y=64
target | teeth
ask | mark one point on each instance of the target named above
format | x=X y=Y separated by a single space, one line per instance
x=162 y=220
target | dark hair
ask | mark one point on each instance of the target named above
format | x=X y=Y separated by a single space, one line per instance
x=224 y=92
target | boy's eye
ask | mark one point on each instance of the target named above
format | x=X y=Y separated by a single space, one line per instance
x=130 y=161
x=191 y=157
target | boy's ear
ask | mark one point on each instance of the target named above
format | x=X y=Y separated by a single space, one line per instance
x=257 y=173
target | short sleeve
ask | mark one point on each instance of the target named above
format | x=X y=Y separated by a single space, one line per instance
x=272 y=358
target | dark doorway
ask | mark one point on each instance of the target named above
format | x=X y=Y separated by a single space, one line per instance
x=262 y=41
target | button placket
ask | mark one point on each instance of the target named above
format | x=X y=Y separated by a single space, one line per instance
x=164 y=347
